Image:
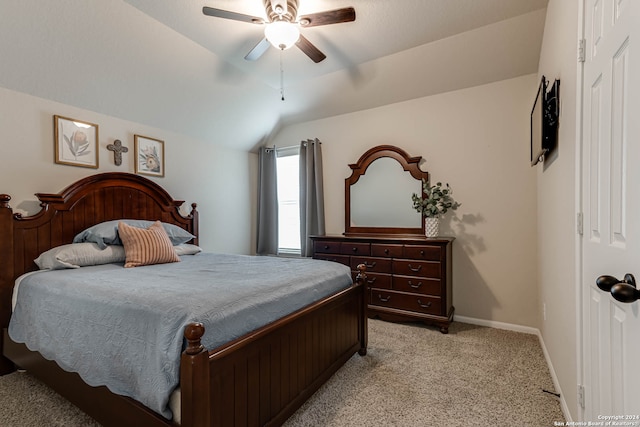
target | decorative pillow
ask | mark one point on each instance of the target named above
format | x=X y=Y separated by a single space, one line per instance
x=106 y=233
x=146 y=246
x=76 y=255
x=187 y=249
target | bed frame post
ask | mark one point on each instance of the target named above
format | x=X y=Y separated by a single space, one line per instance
x=196 y=223
x=363 y=328
x=6 y=274
x=194 y=380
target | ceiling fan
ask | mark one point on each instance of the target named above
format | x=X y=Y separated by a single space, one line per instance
x=282 y=26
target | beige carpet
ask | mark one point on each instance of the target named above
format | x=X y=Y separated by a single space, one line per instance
x=412 y=376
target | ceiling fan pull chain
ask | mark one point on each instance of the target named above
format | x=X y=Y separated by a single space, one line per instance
x=281 y=77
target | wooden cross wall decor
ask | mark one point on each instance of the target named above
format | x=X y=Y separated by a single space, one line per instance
x=117 y=149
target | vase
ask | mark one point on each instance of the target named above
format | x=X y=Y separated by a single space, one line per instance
x=431 y=227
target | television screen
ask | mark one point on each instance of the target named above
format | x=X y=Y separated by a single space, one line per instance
x=538 y=146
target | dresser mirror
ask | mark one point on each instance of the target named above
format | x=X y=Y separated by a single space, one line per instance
x=378 y=193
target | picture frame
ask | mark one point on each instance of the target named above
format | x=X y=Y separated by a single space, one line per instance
x=149 y=156
x=76 y=142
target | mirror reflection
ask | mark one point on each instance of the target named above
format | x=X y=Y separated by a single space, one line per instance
x=382 y=196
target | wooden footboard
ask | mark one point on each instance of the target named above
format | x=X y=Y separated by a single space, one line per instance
x=263 y=378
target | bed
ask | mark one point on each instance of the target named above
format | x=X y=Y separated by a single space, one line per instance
x=258 y=378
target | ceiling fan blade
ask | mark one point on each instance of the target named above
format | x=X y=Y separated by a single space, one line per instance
x=258 y=50
x=337 y=16
x=310 y=50
x=219 y=13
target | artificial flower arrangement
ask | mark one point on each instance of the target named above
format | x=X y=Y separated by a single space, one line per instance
x=437 y=201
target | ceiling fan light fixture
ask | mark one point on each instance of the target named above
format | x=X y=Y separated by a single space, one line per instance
x=282 y=34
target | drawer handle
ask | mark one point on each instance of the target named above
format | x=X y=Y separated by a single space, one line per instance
x=415 y=269
x=384 y=299
x=416 y=286
x=371 y=281
x=427 y=305
x=373 y=264
x=422 y=253
x=354 y=249
x=326 y=247
x=386 y=251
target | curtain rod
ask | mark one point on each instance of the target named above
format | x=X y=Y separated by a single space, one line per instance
x=269 y=149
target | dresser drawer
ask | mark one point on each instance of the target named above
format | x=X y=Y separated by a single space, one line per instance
x=378 y=280
x=374 y=265
x=326 y=247
x=427 y=253
x=419 y=285
x=348 y=248
x=342 y=259
x=391 y=251
x=406 y=267
x=401 y=301
x=408 y=278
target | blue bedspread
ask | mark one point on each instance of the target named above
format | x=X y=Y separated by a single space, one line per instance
x=123 y=328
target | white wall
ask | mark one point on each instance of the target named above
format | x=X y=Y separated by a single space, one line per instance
x=557 y=188
x=220 y=180
x=476 y=139
x=109 y=57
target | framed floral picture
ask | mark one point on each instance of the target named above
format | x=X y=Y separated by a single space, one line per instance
x=149 y=154
x=76 y=142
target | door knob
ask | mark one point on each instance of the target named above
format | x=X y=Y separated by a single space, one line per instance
x=622 y=290
x=605 y=283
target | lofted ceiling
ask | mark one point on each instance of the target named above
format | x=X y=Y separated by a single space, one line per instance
x=164 y=63
x=381 y=28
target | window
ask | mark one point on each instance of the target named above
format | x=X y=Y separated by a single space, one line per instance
x=288 y=170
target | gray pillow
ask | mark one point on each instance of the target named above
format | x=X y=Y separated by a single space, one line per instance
x=78 y=255
x=106 y=233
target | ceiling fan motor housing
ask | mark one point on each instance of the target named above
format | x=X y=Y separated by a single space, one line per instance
x=276 y=12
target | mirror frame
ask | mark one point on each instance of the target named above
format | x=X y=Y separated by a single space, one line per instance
x=408 y=163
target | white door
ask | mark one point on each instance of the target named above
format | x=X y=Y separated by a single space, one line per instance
x=611 y=206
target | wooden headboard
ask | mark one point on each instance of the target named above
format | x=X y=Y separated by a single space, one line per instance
x=89 y=201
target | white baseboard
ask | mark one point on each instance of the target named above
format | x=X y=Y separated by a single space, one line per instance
x=526 y=330
x=497 y=325
x=556 y=383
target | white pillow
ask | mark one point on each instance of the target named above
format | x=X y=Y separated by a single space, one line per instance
x=76 y=255
x=187 y=249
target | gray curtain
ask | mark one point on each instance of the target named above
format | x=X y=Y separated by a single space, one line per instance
x=267 y=202
x=311 y=194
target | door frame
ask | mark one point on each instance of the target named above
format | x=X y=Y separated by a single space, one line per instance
x=579 y=199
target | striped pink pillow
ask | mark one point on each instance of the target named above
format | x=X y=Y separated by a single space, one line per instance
x=146 y=247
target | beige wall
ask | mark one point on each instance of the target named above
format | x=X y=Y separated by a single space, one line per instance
x=220 y=180
x=557 y=190
x=476 y=139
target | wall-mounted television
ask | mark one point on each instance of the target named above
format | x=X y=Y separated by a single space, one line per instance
x=544 y=120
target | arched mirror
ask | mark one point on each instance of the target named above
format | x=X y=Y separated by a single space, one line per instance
x=378 y=193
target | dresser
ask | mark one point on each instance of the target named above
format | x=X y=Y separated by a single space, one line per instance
x=408 y=278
